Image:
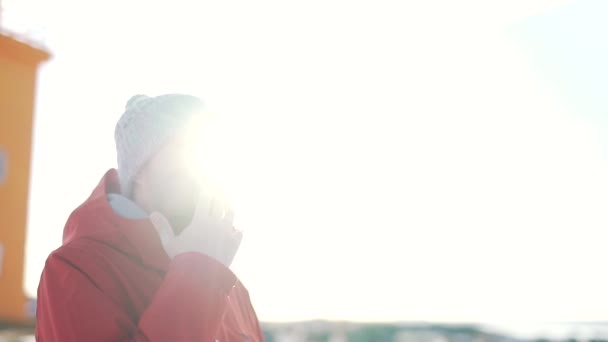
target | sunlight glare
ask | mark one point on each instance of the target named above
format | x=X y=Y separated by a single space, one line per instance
x=212 y=156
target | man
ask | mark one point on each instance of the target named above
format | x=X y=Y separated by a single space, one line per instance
x=146 y=257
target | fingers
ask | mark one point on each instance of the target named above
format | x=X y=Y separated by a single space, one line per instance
x=203 y=207
x=237 y=237
x=221 y=210
x=232 y=246
x=163 y=227
x=216 y=210
x=212 y=205
x=229 y=216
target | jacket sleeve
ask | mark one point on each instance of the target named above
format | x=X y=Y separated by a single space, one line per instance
x=188 y=306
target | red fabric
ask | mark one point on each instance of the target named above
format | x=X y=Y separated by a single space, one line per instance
x=111 y=281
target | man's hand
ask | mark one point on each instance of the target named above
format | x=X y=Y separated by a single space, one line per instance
x=211 y=232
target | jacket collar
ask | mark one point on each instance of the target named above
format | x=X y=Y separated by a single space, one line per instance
x=97 y=219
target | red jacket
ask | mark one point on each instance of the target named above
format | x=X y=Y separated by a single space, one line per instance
x=111 y=281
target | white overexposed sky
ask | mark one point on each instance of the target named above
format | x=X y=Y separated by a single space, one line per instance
x=393 y=160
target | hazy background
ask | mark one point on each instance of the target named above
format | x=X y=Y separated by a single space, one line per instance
x=436 y=160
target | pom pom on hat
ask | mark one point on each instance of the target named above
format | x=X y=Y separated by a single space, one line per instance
x=135 y=100
x=146 y=125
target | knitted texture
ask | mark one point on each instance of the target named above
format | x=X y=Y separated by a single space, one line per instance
x=146 y=125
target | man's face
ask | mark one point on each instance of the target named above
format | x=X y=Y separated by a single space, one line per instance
x=167 y=185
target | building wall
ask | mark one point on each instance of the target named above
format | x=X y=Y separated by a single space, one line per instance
x=18 y=67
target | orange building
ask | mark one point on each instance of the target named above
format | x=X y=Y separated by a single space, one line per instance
x=18 y=69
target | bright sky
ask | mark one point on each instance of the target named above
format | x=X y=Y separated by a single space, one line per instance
x=422 y=160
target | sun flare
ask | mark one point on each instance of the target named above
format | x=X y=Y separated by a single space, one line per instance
x=212 y=156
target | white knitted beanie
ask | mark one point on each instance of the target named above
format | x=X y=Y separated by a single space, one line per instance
x=146 y=125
